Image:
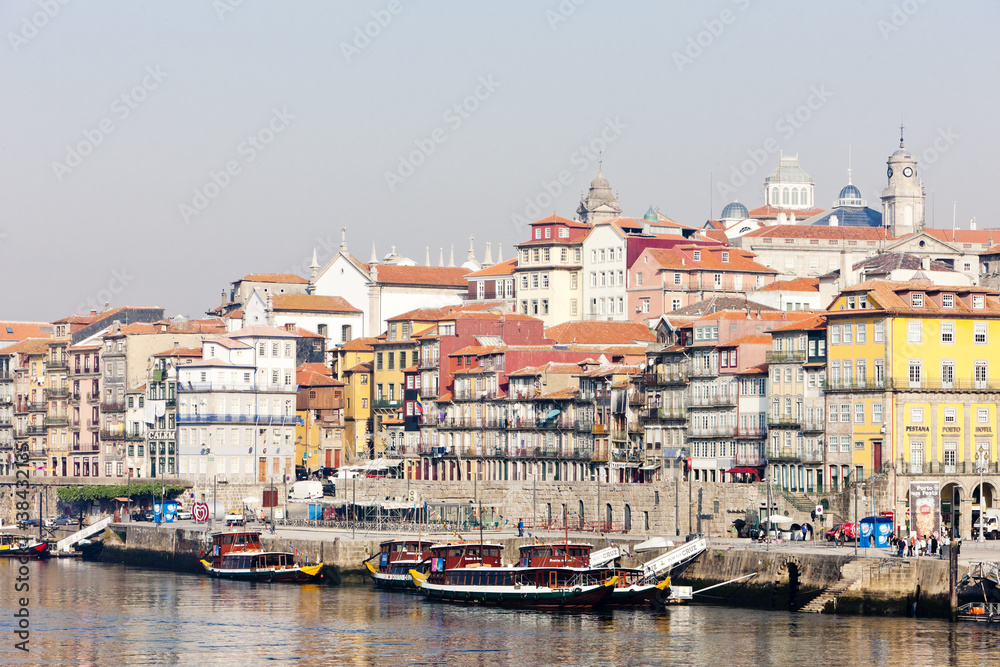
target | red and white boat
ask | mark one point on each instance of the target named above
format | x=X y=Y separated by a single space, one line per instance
x=13 y=545
x=237 y=554
x=390 y=567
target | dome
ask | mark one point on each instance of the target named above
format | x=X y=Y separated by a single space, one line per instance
x=788 y=171
x=599 y=182
x=651 y=215
x=735 y=211
x=600 y=188
x=849 y=196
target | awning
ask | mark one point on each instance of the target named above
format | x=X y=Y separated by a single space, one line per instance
x=553 y=413
x=655 y=466
x=753 y=471
x=121 y=500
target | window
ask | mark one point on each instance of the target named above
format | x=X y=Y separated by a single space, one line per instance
x=677 y=279
x=978 y=301
x=949 y=454
x=917 y=300
x=950 y=416
x=545 y=255
x=947 y=374
x=534 y=281
x=879 y=332
x=845 y=443
x=879 y=376
x=862 y=333
x=572 y=306
x=577 y=255
x=725 y=256
x=545 y=306
x=573 y=281
x=545 y=281
x=563 y=233
x=675 y=304
x=548 y=232
x=914 y=374
x=877 y=412
x=848 y=333
x=697 y=255
x=845 y=413
x=983 y=415
x=835 y=334
x=638 y=278
x=947 y=332
x=947 y=300
x=644 y=304
x=916 y=415
x=833 y=414
x=717 y=280
x=914 y=331
x=981 y=373
x=536 y=255
x=859 y=413
x=979 y=333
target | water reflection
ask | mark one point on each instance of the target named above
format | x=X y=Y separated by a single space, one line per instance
x=99 y=614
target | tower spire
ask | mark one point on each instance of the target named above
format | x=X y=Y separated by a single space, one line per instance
x=427 y=257
x=488 y=260
x=451 y=259
x=441 y=257
x=901 y=133
x=499 y=253
x=849 y=165
x=374 y=259
x=343 y=239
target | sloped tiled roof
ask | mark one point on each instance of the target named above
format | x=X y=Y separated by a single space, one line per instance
x=504 y=268
x=179 y=352
x=393 y=274
x=821 y=232
x=752 y=339
x=805 y=324
x=590 y=332
x=14 y=330
x=710 y=258
x=768 y=211
x=889 y=261
x=289 y=278
x=717 y=303
x=312 y=303
x=794 y=285
x=986 y=236
x=886 y=295
x=310 y=378
x=358 y=345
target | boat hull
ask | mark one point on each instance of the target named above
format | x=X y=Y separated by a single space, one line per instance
x=299 y=574
x=566 y=599
x=34 y=550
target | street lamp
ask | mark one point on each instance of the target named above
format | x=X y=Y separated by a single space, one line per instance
x=982 y=452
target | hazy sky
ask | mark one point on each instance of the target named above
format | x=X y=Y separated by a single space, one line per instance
x=152 y=152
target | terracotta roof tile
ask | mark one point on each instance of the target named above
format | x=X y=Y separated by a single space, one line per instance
x=752 y=339
x=794 y=285
x=820 y=232
x=806 y=324
x=13 y=330
x=391 y=274
x=358 y=345
x=312 y=303
x=289 y=278
x=504 y=268
x=596 y=332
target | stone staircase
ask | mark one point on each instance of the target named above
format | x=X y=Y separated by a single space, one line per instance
x=850 y=579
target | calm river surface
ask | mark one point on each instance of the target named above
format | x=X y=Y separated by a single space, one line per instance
x=100 y=614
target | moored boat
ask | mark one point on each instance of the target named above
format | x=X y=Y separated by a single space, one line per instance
x=237 y=554
x=390 y=567
x=13 y=545
x=474 y=573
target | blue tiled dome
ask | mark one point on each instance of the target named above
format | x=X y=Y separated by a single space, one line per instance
x=735 y=211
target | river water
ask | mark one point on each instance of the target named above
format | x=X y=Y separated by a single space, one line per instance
x=103 y=614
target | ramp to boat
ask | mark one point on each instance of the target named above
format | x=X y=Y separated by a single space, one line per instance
x=65 y=543
x=681 y=555
x=604 y=556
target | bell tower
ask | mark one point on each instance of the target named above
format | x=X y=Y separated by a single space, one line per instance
x=903 y=197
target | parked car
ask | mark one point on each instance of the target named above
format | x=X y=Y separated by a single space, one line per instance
x=183 y=514
x=63 y=521
x=329 y=489
x=27 y=523
x=850 y=531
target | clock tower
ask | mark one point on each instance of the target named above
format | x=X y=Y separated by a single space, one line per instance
x=903 y=198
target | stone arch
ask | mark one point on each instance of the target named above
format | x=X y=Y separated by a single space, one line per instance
x=609 y=515
x=952 y=495
x=628 y=518
x=581 y=514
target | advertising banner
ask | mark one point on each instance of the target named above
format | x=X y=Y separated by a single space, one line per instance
x=925 y=508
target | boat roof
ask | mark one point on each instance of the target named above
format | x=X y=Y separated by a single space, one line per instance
x=555 y=545
x=406 y=540
x=465 y=544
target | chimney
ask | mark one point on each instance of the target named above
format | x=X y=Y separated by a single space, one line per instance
x=223 y=297
x=782 y=218
x=972 y=224
x=834 y=222
x=93 y=312
x=925 y=263
x=289 y=326
x=846 y=277
x=177 y=345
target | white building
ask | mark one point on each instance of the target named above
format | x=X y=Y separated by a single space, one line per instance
x=605 y=273
x=236 y=408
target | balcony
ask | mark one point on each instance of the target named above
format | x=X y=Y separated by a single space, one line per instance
x=750 y=459
x=112 y=434
x=112 y=406
x=673 y=413
x=703 y=371
x=750 y=433
x=429 y=392
x=57 y=363
x=34 y=429
x=93 y=424
x=937 y=384
x=628 y=456
x=239 y=419
x=57 y=392
x=386 y=404
x=170 y=402
x=134 y=436
x=74 y=424
x=599 y=429
x=35 y=406
x=785 y=356
x=619 y=436
x=813 y=426
x=187 y=387
x=783 y=421
x=666 y=377
x=429 y=361
x=794 y=454
x=715 y=400
x=866 y=385
x=712 y=432
x=56 y=420
x=84 y=370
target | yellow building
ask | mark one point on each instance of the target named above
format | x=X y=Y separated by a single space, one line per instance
x=910 y=393
x=352 y=365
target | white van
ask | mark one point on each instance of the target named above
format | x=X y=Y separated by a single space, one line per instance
x=306 y=490
x=989 y=523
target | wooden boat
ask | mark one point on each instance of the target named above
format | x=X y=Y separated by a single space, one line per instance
x=632 y=588
x=474 y=573
x=13 y=545
x=237 y=554
x=393 y=562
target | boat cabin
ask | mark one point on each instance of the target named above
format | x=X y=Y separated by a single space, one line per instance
x=555 y=555
x=252 y=561
x=445 y=557
x=234 y=541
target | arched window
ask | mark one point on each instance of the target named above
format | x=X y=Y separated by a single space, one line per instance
x=784 y=195
x=795 y=197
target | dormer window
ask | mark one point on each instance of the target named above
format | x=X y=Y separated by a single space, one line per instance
x=697 y=255
x=917 y=300
x=725 y=257
x=563 y=233
x=548 y=232
x=538 y=233
x=947 y=300
x=851 y=303
x=978 y=301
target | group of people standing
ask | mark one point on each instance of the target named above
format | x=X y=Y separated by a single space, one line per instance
x=923 y=545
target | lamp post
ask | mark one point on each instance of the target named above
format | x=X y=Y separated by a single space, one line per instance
x=982 y=451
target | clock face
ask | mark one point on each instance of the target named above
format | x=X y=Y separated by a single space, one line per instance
x=890 y=172
x=907 y=172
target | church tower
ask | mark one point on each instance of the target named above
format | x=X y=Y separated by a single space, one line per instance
x=600 y=203
x=903 y=198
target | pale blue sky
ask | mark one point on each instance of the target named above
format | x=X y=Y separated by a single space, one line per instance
x=113 y=224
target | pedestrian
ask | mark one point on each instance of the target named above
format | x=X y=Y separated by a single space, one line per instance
x=945 y=546
x=958 y=545
x=934 y=544
x=838 y=536
x=805 y=532
x=520 y=527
